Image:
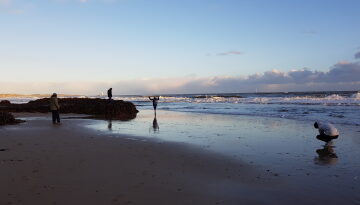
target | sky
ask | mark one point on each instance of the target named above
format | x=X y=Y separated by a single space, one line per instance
x=178 y=46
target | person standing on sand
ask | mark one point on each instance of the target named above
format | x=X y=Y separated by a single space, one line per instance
x=109 y=92
x=54 y=107
x=154 y=101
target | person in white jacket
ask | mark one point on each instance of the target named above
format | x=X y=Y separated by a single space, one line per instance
x=327 y=132
x=326 y=129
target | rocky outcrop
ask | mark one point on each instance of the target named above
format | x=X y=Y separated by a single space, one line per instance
x=99 y=108
x=5 y=102
x=7 y=118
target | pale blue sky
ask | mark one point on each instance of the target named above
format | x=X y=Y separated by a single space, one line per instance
x=139 y=41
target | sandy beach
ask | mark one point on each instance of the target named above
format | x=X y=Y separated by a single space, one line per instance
x=79 y=163
x=179 y=102
x=67 y=164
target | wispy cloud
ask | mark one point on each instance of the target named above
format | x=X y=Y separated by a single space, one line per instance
x=309 y=32
x=227 y=53
x=230 y=53
x=341 y=76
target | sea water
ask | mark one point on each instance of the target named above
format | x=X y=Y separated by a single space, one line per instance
x=338 y=107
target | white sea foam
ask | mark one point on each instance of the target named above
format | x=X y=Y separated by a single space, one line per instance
x=304 y=100
x=356 y=96
x=19 y=100
x=333 y=99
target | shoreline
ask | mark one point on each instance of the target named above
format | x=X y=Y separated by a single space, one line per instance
x=75 y=164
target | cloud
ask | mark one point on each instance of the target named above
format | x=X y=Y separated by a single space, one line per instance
x=310 y=32
x=230 y=53
x=357 y=55
x=343 y=72
x=341 y=76
x=340 y=72
x=226 y=53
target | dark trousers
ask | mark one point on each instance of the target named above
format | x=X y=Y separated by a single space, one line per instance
x=55 y=116
x=326 y=138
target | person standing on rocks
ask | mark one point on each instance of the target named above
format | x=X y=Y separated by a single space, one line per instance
x=109 y=92
x=55 y=107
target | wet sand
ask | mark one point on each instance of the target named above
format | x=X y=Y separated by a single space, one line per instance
x=71 y=163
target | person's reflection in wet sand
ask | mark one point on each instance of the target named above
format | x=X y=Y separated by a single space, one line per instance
x=110 y=124
x=326 y=155
x=155 y=125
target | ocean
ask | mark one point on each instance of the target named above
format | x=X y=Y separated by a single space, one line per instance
x=338 y=107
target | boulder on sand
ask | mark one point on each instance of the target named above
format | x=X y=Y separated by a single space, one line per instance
x=5 y=102
x=99 y=108
x=7 y=118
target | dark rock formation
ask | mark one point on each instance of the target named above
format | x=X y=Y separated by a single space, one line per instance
x=99 y=108
x=7 y=118
x=5 y=102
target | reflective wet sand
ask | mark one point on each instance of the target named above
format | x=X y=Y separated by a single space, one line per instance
x=287 y=149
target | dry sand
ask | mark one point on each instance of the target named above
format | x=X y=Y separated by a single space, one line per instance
x=69 y=164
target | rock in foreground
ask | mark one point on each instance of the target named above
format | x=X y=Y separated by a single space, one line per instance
x=8 y=119
x=5 y=102
x=100 y=108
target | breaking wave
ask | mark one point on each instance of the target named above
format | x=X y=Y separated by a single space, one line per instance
x=335 y=107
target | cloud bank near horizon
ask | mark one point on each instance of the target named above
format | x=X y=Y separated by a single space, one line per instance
x=341 y=76
x=357 y=55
